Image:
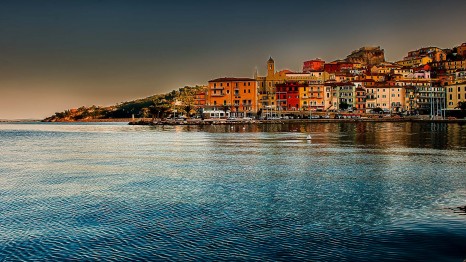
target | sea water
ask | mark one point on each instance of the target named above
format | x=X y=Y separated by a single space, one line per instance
x=354 y=192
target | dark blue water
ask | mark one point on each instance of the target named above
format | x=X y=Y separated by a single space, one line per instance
x=355 y=192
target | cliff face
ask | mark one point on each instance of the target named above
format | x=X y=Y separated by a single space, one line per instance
x=367 y=56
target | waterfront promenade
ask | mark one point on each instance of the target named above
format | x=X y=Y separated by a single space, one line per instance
x=218 y=121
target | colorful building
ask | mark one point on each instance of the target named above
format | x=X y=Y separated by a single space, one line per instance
x=202 y=97
x=360 y=100
x=313 y=65
x=415 y=61
x=339 y=65
x=235 y=95
x=429 y=99
x=455 y=93
x=287 y=96
x=266 y=85
x=450 y=67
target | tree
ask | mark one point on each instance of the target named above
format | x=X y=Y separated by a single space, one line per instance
x=225 y=109
x=188 y=109
x=343 y=105
x=259 y=113
x=461 y=105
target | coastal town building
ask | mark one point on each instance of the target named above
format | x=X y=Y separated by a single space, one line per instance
x=313 y=65
x=287 y=95
x=461 y=50
x=450 y=67
x=435 y=53
x=455 y=93
x=266 y=85
x=415 y=61
x=331 y=98
x=360 y=100
x=235 y=95
x=340 y=65
x=202 y=97
x=430 y=99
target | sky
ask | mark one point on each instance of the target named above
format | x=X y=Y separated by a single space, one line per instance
x=62 y=54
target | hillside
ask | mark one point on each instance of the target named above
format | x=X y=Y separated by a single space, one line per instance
x=156 y=106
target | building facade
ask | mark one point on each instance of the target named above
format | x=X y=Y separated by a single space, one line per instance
x=235 y=95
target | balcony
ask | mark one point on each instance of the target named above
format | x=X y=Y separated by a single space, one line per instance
x=217 y=88
x=217 y=95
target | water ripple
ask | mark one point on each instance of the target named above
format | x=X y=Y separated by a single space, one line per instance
x=119 y=193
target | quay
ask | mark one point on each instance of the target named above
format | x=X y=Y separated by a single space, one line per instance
x=280 y=121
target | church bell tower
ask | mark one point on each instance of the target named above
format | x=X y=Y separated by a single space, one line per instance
x=270 y=67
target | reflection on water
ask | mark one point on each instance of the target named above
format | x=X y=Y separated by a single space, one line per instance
x=356 y=191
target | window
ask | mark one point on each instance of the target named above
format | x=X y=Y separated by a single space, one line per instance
x=228 y=91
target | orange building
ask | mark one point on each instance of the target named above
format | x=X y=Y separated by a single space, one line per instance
x=201 y=98
x=239 y=95
x=360 y=100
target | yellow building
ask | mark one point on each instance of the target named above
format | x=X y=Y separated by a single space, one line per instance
x=451 y=66
x=455 y=93
x=415 y=61
x=388 y=98
x=266 y=85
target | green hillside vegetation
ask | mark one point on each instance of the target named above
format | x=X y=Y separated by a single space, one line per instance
x=180 y=101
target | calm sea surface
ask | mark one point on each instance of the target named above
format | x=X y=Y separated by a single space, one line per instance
x=355 y=192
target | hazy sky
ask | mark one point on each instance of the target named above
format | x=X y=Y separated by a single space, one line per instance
x=56 y=55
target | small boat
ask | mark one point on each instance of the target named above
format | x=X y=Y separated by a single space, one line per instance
x=308 y=137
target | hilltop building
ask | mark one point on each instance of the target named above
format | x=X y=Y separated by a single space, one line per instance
x=367 y=56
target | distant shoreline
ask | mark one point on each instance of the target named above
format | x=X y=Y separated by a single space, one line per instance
x=148 y=121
